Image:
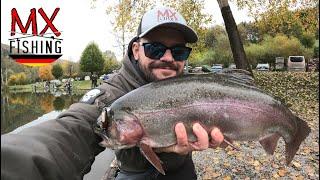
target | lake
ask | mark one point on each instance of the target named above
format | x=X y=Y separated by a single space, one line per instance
x=22 y=110
x=18 y=109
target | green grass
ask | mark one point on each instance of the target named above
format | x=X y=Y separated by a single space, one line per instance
x=77 y=85
x=24 y=88
x=81 y=85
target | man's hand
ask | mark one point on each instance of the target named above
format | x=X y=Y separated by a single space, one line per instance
x=184 y=147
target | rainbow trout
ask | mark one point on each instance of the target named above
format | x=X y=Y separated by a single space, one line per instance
x=146 y=116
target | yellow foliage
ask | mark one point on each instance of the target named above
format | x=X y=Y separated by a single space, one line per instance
x=22 y=100
x=17 y=79
x=46 y=103
x=286 y=17
x=45 y=73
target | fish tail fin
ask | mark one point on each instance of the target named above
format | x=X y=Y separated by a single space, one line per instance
x=270 y=142
x=292 y=147
x=152 y=157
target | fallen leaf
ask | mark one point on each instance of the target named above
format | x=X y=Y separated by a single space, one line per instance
x=216 y=174
x=299 y=177
x=276 y=176
x=231 y=152
x=256 y=163
x=282 y=172
x=257 y=168
x=296 y=164
x=276 y=166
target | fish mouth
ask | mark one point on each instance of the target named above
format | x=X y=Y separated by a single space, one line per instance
x=121 y=132
x=114 y=144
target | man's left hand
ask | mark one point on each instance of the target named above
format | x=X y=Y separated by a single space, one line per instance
x=184 y=147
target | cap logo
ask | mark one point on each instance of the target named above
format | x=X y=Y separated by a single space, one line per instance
x=166 y=15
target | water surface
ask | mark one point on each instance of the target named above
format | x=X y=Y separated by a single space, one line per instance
x=18 y=109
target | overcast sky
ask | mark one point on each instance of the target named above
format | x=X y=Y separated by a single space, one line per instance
x=81 y=24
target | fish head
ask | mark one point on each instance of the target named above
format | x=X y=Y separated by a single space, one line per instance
x=120 y=128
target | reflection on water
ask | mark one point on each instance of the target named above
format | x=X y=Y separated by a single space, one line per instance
x=18 y=109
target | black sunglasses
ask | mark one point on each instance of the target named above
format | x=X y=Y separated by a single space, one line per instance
x=156 y=50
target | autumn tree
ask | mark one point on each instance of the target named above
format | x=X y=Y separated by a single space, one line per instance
x=192 y=11
x=91 y=59
x=248 y=32
x=45 y=73
x=17 y=79
x=57 y=71
x=279 y=46
x=70 y=69
x=124 y=15
x=125 y=22
x=111 y=62
x=10 y=67
x=291 y=17
x=65 y=65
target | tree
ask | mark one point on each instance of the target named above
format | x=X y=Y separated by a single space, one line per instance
x=45 y=73
x=279 y=46
x=111 y=62
x=91 y=59
x=65 y=64
x=307 y=40
x=57 y=71
x=58 y=104
x=238 y=52
x=10 y=67
x=291 y=17
x=125 y=23
x=192 y=11
x=124 y=18
x=248 y=32
x=17 y=79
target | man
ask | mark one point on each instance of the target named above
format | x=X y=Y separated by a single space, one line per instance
x=94 y=80
x=65 y=148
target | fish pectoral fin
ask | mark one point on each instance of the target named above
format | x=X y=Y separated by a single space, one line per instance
x=152 y=157
x=292 y=147
x=270 y=142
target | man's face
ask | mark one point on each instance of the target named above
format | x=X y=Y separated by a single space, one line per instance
x=166 y=66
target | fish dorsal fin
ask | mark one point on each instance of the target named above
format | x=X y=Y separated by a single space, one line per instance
x=232 y=71
x=239 y=76
x=151 y=156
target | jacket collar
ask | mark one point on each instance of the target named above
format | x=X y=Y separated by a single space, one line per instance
x=131 y=72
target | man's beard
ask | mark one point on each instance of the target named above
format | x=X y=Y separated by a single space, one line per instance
x=147 y=71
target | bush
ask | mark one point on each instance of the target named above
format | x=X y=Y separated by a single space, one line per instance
x=272 y=47
x=307 y=39
x=57 y=71
x=18 y=79
x=196 y=59
x=211 y=57
x=316 y=52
